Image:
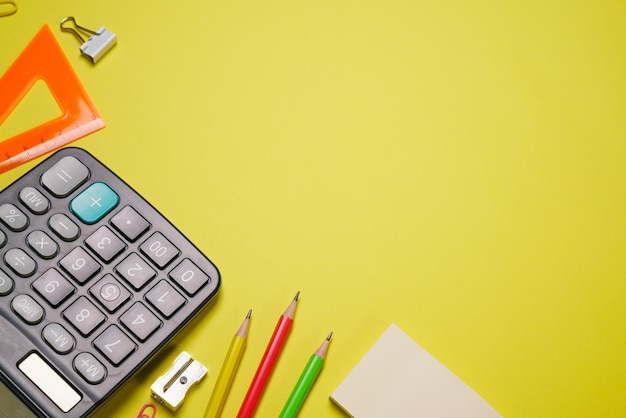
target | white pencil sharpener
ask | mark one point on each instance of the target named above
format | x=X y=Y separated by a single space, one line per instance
x=170 y=389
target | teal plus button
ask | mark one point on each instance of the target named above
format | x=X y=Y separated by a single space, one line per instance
x=94 y=203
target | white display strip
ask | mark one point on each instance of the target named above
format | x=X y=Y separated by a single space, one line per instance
x=49 y=381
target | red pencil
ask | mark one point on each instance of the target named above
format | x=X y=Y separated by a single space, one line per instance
x=269 y=360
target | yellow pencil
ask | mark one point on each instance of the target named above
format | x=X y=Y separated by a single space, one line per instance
x=229 y=369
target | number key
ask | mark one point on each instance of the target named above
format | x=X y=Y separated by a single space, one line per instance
x=135 y=271
x=140 y=321
x=84 y=316
x=53 y=287
x=114 y=344
x=189 y=276
x=110 y=293
x=159 y=250
x=105 y=244
x=80 y=265
x=164 y=298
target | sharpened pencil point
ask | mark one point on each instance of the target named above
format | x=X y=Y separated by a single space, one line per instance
x=329 y=335
x=249 y=313
x=297 y=296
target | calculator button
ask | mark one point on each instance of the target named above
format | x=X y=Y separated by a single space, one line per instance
x=135 y=271
x=64 y=227
x=84 y=316
x=58 y=338
x=165 y=298
x=105 y=244
x=13 y=218
x=53 y=287
x=159 y=250
x=65 y=176
x=110 y=293
x=140 y=321
x=80 y=265
x=114 y=344
x=36 y=202
x=42 y=244
x=189 y=276
x=89 y=368
x=3 y=239
x=130 y=223
x=26 y=308
x=20 y=262
x=93 y=203
x=6 y=284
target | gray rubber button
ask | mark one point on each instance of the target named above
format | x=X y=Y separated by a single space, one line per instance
x=26 y=308
x=65 y=176
x=58 y=338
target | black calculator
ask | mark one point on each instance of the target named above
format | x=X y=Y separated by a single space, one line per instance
x=93 y=282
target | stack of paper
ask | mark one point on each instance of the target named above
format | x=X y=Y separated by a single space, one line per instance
x=397 y=378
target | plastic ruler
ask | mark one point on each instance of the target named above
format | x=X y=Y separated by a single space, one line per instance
x=43 y=59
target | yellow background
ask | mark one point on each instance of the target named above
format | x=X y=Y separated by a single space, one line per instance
x=457 y=168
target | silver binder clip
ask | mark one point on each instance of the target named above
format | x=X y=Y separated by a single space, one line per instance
x=97 y=45
x=170 y=389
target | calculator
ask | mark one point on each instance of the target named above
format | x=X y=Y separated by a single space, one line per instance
x=94 y=281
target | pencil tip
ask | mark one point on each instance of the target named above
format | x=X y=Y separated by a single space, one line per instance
x=297 y=296
x=249 y=313
x=329 y=335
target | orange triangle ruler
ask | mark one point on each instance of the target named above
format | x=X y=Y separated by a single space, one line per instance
x=43 y=59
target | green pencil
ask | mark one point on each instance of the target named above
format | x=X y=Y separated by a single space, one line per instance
x=306 y=381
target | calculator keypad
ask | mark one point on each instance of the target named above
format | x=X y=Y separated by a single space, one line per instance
x=92 y=276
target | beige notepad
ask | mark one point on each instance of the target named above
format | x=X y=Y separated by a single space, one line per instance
x=398 y=379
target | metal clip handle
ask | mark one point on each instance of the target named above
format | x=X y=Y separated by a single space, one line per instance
x=75 y=29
